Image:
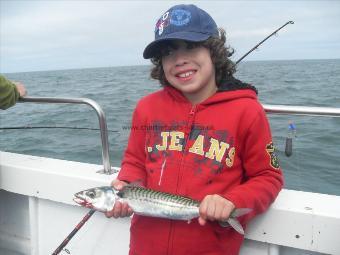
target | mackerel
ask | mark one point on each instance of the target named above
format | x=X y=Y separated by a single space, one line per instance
x=151 y=203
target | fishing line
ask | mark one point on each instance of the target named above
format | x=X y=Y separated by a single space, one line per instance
x=299 y=160
x=48 y=127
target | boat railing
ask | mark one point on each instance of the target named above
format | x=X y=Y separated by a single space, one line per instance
x=101 y=118
x=271 y=109
x=302 y=110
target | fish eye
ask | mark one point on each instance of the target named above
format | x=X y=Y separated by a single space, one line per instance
x=91 y=194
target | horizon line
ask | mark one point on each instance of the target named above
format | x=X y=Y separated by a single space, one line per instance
x=138 y=65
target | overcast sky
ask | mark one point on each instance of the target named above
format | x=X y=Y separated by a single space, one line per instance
x=52 y=35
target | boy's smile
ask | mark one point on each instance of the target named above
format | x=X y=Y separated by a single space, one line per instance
x=190 y=70
x=186 y=75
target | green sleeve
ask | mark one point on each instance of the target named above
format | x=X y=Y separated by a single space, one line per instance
x=8 y=93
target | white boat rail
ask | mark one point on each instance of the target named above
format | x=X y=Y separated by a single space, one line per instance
x=302 y=110
x=101 y=118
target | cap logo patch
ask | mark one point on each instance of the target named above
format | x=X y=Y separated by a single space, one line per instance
x=162 y=23
x=180 y=17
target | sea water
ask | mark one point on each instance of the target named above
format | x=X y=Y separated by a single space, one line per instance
x=315 y=162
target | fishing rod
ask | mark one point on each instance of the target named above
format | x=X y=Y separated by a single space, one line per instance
x=292 y=130
x=74 y=231
x=265 y=39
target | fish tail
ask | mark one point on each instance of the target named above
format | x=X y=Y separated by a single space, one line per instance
x=235 y=224
x=240 y=212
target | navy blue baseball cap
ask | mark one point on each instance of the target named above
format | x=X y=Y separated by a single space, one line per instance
x=182 y=22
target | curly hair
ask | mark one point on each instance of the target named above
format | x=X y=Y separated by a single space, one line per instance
x=224 y=67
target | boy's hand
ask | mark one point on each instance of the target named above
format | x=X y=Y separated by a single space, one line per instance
x=215 y=207
x=120 y=209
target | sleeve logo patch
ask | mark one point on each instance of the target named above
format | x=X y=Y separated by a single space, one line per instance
x=274 y=159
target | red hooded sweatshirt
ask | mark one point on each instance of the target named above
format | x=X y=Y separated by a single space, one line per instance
x=220 y=146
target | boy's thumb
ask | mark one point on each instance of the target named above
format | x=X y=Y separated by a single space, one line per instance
x=118 y=185
x=202 y=221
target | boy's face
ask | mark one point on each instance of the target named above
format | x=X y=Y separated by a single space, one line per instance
x=189 y=69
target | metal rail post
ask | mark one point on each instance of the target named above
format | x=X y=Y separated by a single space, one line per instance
x=101 y=117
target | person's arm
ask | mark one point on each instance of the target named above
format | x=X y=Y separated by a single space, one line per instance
x=10 y=92
x=263 y=175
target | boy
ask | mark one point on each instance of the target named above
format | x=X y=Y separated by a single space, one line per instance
x=204 y=136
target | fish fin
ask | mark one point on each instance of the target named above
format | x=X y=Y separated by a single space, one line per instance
x=240 y=212
x=235 y=224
